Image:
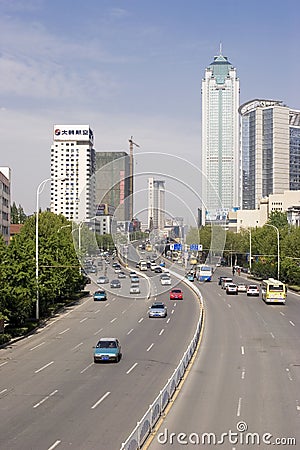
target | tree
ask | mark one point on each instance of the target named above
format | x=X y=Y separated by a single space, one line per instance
x=278 y=219
x=17 y=214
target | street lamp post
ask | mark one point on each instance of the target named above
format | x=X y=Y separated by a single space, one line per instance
x=38 y=192
x=278 y=248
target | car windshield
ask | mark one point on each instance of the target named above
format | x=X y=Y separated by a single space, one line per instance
x=106 y=344
x=157 y=307
x=176 y=291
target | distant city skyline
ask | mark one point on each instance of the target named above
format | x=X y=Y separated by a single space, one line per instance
x=132 y=72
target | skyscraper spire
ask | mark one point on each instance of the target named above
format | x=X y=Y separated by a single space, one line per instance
x=220 y=48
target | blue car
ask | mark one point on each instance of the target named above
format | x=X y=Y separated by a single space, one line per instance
x=100 y=295
x=107 y=349
x=190 y=276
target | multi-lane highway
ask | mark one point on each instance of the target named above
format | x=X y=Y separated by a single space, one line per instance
x=246 y=377
x=52 y=395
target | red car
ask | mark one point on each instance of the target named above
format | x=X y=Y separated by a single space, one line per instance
x=176 y=294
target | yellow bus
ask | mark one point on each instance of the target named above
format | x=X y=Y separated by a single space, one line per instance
x=273 y=291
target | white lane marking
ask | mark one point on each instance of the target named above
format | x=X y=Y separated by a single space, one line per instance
x=172 y=312
x=175 y=304
x=107 y=304
x=168 y=320
x=45 y=398
x=98 y=310
x=141 y=319
x=90 y=365
x=281 y=313
x=98 y=331
x=161 y=332
x=297 y=405
x=39 y=345
x=76 y=346
x=261 y=318
x=130 y=331
x=100 y=400
x=56 y=443
x=113 y=299
x=123 y=312
x=242 y=350
x=83 y=320
x=238 y=413
x=289 y=374
x=2 y=364
x=2 y=392
x=243 y=374
x=272 y=335
x=44 y=367
x=150 y=346
x=131 y=368
x=113 y=320
x=292 y=323
x=229 y=305
x=62 y=332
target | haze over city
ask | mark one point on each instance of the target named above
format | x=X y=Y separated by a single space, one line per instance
x=131 y=68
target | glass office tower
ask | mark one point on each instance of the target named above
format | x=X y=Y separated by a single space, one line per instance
x=220 y=140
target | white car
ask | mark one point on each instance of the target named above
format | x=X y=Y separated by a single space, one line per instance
x=135 y=289
x=242 y=287
x=165 y=280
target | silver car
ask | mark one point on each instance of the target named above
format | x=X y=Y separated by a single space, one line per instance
x=157 y=309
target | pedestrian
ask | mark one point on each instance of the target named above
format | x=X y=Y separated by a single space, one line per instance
x=233 y=270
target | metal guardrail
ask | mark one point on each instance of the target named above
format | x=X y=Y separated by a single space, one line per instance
x=145 y=426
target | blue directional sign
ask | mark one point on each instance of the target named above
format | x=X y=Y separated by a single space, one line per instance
x=177 y=247
x=196 y=247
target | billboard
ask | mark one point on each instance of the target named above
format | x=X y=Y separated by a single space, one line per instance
x=73 y=133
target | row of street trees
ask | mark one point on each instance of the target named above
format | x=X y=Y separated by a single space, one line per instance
x=235 y=247
x=59 y=274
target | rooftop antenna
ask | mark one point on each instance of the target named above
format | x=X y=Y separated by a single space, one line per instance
x=220 y=48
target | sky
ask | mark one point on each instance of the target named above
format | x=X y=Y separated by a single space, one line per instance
x=131 y=68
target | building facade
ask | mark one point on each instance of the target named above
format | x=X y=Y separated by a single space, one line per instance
x=294 y=126
x=113 y=183
x=265 y=142
x=72 y=172
x=156 y=204
x=220 y=162
x=5 y=202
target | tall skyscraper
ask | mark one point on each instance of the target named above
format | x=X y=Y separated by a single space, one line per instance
x=113 y=183
x=265 y=141
x=72 y=172
x=294 y=124
x=220 y=139
x=156 y=204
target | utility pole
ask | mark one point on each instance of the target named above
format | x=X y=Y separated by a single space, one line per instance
x=131 y=144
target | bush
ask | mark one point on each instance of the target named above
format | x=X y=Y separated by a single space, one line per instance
x=4 y=338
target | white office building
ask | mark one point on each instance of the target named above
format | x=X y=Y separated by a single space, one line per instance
x=72 y=172
x=156 y=204
x=220 y=140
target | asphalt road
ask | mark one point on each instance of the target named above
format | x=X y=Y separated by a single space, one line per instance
x=246 y=374
x=52 y=395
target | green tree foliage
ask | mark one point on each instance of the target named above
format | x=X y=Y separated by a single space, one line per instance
x=278 y=219
x=59 y=275
x=17 y=214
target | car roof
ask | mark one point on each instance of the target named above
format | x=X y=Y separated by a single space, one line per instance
x=158 y=303
x=108 y=339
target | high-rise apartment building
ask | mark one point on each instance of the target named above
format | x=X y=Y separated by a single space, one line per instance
x=265 y=142
x=220 y=139
x=72 y=172
x=5 y=203
x=294 y=125
x=113 y=183
x=156 y=204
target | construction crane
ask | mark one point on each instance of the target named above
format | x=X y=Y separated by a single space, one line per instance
x=131 y=144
